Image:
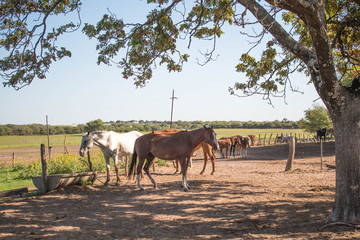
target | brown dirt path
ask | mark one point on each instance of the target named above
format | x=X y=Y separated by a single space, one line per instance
x=247 y=198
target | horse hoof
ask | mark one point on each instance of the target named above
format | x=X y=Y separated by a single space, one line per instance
x=201 y=173
x=141 y=189
x=186 y=189
x=212 y=173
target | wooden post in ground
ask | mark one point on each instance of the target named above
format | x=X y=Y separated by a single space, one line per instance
x=126 y=166
x=265 y=139
x=44 y=168
x=270 y=138
x=289 y=163
x=48 y=136
x=13 y=160
x=321 y=150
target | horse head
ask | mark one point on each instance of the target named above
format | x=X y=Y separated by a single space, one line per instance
x=210 y=137
x=86 y=143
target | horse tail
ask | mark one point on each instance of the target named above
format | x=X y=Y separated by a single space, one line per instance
x=132 y=165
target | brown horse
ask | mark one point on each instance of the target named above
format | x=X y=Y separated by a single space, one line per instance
x=178 y=146
x=244 y=145
x=234 y=142
x=224 y=143
x=207 y=151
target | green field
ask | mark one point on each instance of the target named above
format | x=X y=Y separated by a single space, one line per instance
x=9 y=176
x=35 y=141
x=75 y=139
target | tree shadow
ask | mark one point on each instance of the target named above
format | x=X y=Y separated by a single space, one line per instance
x=212 y=209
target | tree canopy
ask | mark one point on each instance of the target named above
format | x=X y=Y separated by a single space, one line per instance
x=31 y=46
x=316 y=118
x=320 y=40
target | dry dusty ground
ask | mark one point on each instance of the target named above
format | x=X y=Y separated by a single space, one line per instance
x=247 y=198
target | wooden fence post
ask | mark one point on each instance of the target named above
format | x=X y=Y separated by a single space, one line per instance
x=265 y=139
x=13 y=160
x=321 y=154
x=291 y=157
x=270 y=139
x=259 y=140
x=44 y=168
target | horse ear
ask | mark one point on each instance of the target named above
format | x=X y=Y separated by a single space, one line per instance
x=88 y=133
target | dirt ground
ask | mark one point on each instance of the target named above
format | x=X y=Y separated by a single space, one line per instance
x=246 y=198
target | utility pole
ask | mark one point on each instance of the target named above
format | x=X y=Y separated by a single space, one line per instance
x=172 y=107
x=48 y=133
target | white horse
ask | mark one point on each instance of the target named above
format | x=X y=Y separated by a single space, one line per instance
x=112 y=145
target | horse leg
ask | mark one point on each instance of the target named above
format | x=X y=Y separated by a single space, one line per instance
x=176 y=166
x=115 y=158
x=107 y=170
x=212 y=157
x=139 y=172
x=190 y=164
x=149 y=161
x=205 y=162
x=184 y=164
x=222 y=154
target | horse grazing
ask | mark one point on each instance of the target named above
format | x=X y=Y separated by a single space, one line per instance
x=112 y=145
x=244 y=145
x=207 y=151
x=224 y=143
x=321 y=133
x=178 y=146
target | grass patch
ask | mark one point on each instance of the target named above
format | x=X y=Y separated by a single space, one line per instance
x=36 y=140
x=10 y=179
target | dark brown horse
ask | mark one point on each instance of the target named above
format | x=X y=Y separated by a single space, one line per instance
x=178 y=146
x=207 y=151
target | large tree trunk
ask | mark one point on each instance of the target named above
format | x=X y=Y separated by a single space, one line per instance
x=347 y=136
x=342 y=103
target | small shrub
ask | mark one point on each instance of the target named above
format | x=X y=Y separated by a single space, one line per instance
x=161 y=162
x=83 y=183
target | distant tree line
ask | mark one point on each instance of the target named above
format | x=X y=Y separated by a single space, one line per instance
x=142 y=126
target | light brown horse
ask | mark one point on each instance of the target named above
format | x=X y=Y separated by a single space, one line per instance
x=178 y=146
x=224 y=143
x=207 y=151
x=234 y=142
x=244 y=145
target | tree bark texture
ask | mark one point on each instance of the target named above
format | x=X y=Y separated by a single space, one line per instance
x=343 y=106
x=347 y=135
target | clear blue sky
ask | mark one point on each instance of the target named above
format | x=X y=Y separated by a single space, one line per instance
x=77 y=90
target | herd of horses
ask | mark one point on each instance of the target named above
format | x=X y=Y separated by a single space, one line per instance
x=175 y=145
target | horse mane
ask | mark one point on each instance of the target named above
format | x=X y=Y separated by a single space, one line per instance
x=98 y=131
